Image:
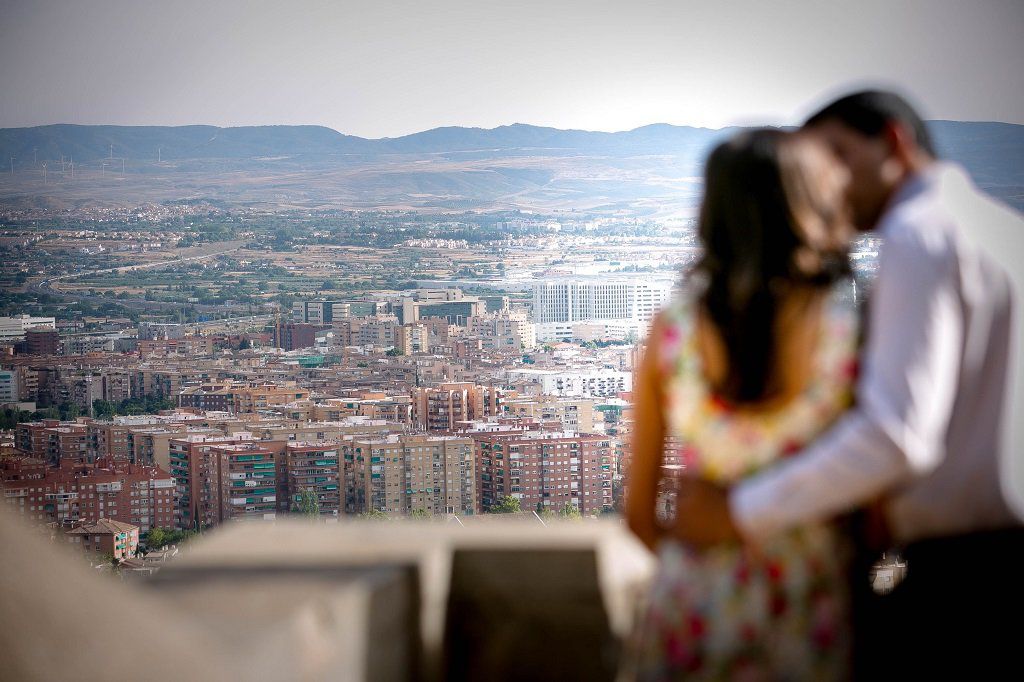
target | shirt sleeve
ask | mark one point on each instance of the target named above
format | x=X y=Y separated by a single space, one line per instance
x=905 y=397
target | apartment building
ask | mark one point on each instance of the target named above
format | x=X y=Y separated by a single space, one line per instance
x=118 y=540
x=441 y=408
x=42 y=341
x=239 y=399
x=295 y=335
x=588 y=382
x=250 y=480
x=81 y=493
x=186 y=346
x=196 y=480
x=314 y=467
x=574 y=414
x=544 y=470
x=406 y=473
x=503 y=330
x=412 y=338
x=599 y=299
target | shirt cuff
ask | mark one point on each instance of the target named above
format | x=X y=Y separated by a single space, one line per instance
x=750 y=506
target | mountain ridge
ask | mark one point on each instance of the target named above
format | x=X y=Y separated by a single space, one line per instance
x=652 y=168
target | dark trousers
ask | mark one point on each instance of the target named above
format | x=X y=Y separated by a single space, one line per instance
x=958 y=614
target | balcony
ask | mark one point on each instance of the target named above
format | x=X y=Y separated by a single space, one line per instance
x=296 y=600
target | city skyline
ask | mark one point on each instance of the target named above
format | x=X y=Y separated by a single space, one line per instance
x=389 y=71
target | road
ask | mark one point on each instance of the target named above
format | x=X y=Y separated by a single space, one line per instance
x=45 y=286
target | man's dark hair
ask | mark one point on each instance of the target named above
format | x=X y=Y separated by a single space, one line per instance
x=868 y=111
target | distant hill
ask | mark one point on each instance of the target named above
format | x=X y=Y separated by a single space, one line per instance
x=652 y=170
x=87 y=143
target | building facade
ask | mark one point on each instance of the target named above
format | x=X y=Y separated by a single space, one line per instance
x=545 y=471
x=315 y=468
x=80 y=493
x=410 y=473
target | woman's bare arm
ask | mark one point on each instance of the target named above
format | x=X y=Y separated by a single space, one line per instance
x=647 y=443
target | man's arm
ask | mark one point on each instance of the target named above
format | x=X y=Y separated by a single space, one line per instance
x=905 y=398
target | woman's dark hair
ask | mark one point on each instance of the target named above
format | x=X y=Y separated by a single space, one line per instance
x=869 y=110
x=772 y=220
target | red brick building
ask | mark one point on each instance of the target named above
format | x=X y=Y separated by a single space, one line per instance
x=544 y=470
x=295 y=335
x=52 y=440
x=440 y=408
x=218 y=479
x=197 y=480
x=108 y=439
x=252 y=479
x=312 y=467
x=66 y=443
x=42 y=341
x=76 y=493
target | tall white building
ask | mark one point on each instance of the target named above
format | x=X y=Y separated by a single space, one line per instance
x=14 y=328
x=631 y=302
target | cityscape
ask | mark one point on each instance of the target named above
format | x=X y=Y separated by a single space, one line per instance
x=228 y=364
x=351 y=340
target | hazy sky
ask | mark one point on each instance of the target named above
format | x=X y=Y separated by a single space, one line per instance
x=387 y=68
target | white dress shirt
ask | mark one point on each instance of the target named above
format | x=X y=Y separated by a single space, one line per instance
x=939 y=396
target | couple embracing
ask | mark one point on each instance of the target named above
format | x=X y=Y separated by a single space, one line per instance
x=816 y=435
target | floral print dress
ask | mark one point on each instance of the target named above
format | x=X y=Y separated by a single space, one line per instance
x=777 y=611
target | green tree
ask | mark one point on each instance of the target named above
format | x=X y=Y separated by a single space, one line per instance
x=102 y=408
x=419 y=514
x=571 y=511
x=156 y=538
x=307 y=503
x=161 y=537
x=374 y=515
x=69 y=411
x=506 y=505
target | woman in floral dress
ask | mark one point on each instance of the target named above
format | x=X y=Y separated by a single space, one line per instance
x=751 y=362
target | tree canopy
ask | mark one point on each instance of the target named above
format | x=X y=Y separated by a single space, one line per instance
x=506 y=505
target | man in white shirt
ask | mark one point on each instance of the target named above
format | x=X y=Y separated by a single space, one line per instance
x=934 y=431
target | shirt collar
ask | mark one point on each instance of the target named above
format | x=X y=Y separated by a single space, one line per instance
x=938 y=176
